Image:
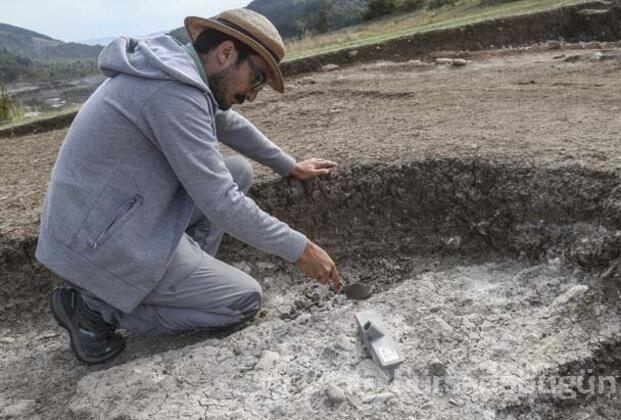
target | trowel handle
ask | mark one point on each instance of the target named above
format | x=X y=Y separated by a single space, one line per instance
x=373 y=331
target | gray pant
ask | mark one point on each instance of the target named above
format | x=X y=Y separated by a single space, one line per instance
x=197 y=290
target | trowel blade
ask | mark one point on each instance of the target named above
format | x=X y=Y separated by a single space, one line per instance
x=356 y=291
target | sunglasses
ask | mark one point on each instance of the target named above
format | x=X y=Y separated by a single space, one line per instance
x=259 y=79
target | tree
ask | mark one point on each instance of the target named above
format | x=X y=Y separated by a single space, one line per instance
x=301 y=31
x=378 y=8
x=411 y=5
x=323 y=16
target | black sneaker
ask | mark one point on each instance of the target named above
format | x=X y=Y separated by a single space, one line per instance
x=92 y=339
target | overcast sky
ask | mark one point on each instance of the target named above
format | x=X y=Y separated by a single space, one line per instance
x=76 y=20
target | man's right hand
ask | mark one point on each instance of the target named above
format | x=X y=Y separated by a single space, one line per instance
x=317 y=264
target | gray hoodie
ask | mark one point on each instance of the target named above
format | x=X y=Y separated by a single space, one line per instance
x=141 y=153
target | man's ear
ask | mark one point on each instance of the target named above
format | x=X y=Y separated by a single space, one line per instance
x=227 y=53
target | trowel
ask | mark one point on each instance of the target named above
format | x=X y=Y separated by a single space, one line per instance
x=355 y=291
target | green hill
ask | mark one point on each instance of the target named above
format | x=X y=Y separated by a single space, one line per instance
x=28 y=55
x=38 y=47
x=303 y=16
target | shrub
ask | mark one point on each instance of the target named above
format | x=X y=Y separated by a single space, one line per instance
x=9 y=110
x=436 y=4
x=378 y=8
x=411 y=5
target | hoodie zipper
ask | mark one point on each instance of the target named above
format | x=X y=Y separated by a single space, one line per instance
x=123 y=211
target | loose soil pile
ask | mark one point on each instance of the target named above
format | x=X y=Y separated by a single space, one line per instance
x=480 y=204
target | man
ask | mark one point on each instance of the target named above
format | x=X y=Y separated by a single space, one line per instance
x=140 y=196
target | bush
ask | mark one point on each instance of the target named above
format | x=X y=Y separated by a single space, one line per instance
x=9 y=110
x=436 y=4
x=411 y=5
x=378 y=8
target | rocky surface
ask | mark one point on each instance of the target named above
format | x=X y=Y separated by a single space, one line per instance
x=477 y=340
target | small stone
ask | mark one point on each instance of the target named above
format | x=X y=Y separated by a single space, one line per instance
x=352 y=53
x=7 y=340
x=436 y=368
x=427 y=406
x=335 y=394
x=596 y=57
x=442 y=61
x=377 y=398
x=330 y=67
x=304 y=318
x=268 y=360
x=465 y=302
x=459 y=62
x=265 y=265
x=453 y=242
x=438 y=324
x=344 y=343
x=574 y=293
x=18 y=409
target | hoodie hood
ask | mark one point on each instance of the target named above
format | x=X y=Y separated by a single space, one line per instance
x=158 y=58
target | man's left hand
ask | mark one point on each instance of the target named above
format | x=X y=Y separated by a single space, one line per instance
x=312 y=168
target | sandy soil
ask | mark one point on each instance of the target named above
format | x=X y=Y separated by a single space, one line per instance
x=478 y=202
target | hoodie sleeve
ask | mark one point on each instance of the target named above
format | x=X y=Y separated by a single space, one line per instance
x=183 y=127
x=242 y=136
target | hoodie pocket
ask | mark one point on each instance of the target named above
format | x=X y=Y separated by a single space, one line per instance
x=122 y=215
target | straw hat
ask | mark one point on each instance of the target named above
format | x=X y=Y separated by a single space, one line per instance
x=251 y=28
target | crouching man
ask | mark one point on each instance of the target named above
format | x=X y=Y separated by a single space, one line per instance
x=140 y=196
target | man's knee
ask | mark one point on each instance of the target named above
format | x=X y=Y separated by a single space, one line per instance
x=249 y=305
x=241 y=171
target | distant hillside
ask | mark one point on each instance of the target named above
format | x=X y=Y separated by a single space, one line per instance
x=310 y=15
x=303 y=16
x=27 y=55
x=39 y=47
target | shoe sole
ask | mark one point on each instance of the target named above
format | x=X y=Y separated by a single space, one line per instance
x=64 y=321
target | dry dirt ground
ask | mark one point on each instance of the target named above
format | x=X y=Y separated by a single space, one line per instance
x=480 y=203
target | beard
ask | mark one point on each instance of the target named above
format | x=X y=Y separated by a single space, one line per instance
x=221 y=84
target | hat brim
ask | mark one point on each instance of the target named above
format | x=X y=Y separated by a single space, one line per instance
x=195 y=25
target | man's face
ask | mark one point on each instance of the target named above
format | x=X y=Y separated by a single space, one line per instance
x=238 y=81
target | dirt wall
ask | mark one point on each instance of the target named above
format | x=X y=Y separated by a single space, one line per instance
x=466 y=205
x=595 y=21
x=436 y=205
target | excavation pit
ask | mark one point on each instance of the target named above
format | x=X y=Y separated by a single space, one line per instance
x=491 y=276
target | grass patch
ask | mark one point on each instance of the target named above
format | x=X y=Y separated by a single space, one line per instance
x=42 y=116
x=464 y=12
